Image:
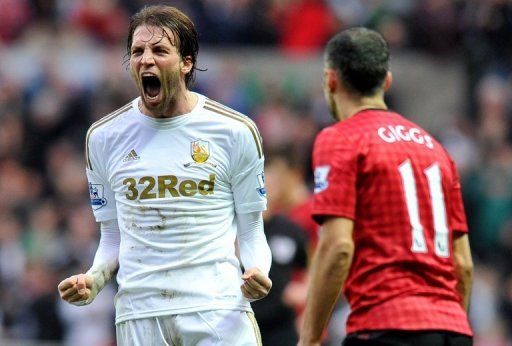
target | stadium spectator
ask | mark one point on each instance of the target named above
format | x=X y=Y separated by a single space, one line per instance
x=433 y=19
x=290 y=196
x=37 y=317
x=316 y=20
x=15 y=15
x=235 y=22
x=174 y=179
x=277 y=314
x=489 y=189
x=486 y=27
x=42 y=240
x=394 y=233
x=104 y=19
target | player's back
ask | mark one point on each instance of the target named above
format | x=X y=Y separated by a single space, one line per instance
x=406 y=204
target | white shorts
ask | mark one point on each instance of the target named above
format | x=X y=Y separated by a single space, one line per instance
x=215 y=327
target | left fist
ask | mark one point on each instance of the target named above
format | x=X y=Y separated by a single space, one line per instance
x=256 y=285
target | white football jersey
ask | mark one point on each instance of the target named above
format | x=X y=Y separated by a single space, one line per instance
x=175 y=186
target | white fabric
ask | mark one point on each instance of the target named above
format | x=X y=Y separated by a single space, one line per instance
x=105 y=260
x=177 y=251
x=108 y=247
x=205 y=328
x=252 y=243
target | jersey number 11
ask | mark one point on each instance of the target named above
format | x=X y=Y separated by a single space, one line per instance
x=433 y=174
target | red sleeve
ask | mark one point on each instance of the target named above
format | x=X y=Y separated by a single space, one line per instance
x=335 y=169
x=457 y=216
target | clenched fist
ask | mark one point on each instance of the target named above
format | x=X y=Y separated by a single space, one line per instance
x=256 y=284
x=76 y=289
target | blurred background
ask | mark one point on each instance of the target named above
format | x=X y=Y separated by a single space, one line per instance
x=63 y=65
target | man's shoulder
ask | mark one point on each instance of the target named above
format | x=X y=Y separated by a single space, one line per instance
x=239 y=124
x=103 y=123
x=223 y=113
x=338 y=132
x=99 y=130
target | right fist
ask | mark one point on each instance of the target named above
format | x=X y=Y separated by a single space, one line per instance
x=76 y=289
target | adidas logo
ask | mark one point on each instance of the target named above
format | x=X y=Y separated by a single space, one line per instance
x=132 y=156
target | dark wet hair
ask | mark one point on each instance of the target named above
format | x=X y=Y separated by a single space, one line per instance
x=361 y=57
x=180 y=25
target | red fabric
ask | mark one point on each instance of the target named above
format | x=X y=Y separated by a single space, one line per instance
x=389 y=286
x=15 y=16
x=109 y=26
x=306 y=26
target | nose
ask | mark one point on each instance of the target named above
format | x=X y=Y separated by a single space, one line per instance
x=147 y=57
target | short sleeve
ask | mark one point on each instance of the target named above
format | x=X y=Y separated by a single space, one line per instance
x=335 y=171
x=248 y=177
x=102 y=197
x=457 y=215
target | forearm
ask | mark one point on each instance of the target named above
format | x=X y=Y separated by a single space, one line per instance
x=463 y=267
x=106 y=259
x=328 y=272
x=464 y=288
x=252 y=243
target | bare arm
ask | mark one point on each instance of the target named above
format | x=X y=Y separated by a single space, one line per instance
x=463 y=266
x=328 y=272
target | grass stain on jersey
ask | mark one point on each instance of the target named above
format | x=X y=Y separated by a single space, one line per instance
x=168 y=294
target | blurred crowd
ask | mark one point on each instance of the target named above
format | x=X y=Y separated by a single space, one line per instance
x=63 y=66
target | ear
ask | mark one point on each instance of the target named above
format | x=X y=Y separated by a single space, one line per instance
x=388 y=81
x=186 y=64
x=331 y=81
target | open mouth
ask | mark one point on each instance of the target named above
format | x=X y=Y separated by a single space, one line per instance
x=151 y=85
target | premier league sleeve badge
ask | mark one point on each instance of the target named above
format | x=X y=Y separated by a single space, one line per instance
x=96 y=193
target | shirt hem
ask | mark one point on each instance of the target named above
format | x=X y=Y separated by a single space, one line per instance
x=319 y=214
x=157 y=313
x=439 y=328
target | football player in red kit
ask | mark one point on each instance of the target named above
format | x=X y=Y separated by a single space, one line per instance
x=387 y=195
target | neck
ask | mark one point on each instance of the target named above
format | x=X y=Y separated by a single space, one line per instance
x=348 y=105
x=179 y=105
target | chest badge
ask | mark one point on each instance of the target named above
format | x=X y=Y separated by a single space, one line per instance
x=200 y=152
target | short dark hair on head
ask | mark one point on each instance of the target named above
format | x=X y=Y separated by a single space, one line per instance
x=173 y=19
x=361 y=56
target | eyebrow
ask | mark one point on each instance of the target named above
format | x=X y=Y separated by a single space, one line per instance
x=158 y=44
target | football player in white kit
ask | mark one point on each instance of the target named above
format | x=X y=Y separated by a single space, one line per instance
x=175 y=179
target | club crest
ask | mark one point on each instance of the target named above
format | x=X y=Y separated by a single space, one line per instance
x=200 y=150
x=200 y=153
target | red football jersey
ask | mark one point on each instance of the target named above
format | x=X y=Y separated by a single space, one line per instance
x=402 y=190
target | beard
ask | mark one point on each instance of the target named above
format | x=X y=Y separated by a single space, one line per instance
x=169 y=88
